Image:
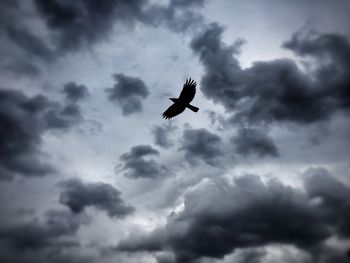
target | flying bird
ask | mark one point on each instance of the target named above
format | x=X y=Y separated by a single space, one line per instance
x=183 y=101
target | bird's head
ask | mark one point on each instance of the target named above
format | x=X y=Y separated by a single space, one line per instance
x=173 y=99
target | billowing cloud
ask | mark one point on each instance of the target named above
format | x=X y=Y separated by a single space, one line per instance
x=212 y=225
x=69 y=26
x=78 y=195
x=138 y=163
x=201 y=145
x=253 y=141
x=84 y=22
x=35 y=235
x=37 y=240
x=23 y=121
x=194 y=199
x=332 y=196
x=128 y=93
x=278 y=90
x=162 y=134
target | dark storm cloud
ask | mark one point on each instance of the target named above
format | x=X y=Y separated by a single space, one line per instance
x=78 y=195
x=36 y=235
x=37 y=240
x=211 y=225
x=329 y=255
x=253 y=141
x=75 y=92
x=278 y=90
x=8 y=12
x=13 y=31
x=72 y=25
x=162 y=135
x=23 y=120
x=33 y=44
x=22 y=67
x=138 y=163
x=201 y=145
x=68 y=115
x=85 y=22
x=333 y=198
x=128 y=93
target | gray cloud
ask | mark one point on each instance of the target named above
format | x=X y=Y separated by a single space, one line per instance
x=23 y=121
x=128 y=93
x=211 y=225
x=75 y=92
x=33 y=44
x=178 y=15
x=22 y=68
x=36 y=235
x=82 y=23
x=200 y=144
x=6 y=12
x=78 y=195
x=162 y=134
x=253 y=141
x=138 y=164
x=15 y=36
x=214 y=218
x=71 y=26
x=37 y=240
x=276 y=91
x=333 y=196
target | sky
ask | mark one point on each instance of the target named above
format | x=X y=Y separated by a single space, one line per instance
x=91 y=172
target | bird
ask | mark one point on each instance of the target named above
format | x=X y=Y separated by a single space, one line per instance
x=183 y=101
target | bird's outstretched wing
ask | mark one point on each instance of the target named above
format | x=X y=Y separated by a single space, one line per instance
x=172 y=111
x=188 y=91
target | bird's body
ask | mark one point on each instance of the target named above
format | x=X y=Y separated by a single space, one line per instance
x=183 y=101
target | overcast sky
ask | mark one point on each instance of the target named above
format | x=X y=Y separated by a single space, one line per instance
x=91 y=172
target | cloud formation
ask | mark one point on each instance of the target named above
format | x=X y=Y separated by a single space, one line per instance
x=253 y=141
x=85 y=22
x=128 y=93
x=23 y=121
x=201 y=145
x=162 y=133
x=35 y=235
x=75 y=92
x=138 y=163
x=278 y=90
x=333 y=196
x=37 y=240
x=211 y=225
x=72 y=26
x=78 y=195
x=33 y=44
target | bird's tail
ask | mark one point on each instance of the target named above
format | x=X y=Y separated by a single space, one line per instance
x=192 y=108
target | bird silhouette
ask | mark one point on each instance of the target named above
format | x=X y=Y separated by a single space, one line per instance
x=183 y=101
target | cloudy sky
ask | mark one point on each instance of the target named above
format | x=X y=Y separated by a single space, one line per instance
x=90 y=172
